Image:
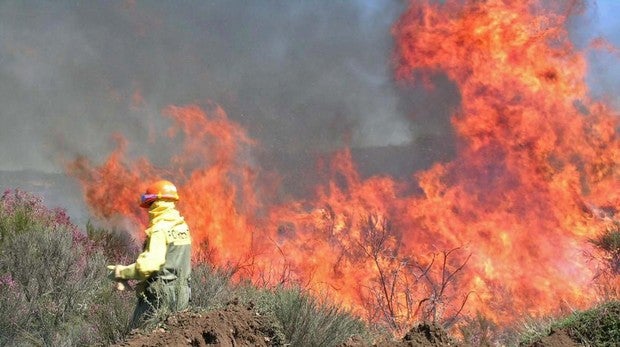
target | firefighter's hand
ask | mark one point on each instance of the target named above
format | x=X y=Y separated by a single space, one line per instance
x=114 y=273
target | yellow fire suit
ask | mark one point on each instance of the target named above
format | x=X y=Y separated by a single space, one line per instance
x=164 y=267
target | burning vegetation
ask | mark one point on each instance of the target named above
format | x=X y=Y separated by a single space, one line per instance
x=502 y=230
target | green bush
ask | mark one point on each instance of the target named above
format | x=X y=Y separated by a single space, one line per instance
x=598 y=326
x=56 y=280
x=211 y=287
x=111 y=314
x=304 y=319
x=53 y=281
x=21 y=211
x=118 y=246
x=608 y=243
x=481 y=331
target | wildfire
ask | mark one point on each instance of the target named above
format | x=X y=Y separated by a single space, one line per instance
x=500 y=230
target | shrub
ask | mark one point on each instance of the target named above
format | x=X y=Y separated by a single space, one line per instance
x=21 y=211
x=608 y=243
x=111 y=314
x=118 y=246
x=211 y=287
x=304 y=319
x=53 y=281
x=13 y=307
x=481 y=331
x=599 y=326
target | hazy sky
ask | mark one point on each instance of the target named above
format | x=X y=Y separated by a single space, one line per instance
x=604 y=77
x=298 y=75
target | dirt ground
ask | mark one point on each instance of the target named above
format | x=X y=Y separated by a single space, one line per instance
x=423 y=335
x=235 y=325
x=557 y=338
x=238 y=325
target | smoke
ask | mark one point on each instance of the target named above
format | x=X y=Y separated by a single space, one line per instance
x=600 y=21
x=303 y=77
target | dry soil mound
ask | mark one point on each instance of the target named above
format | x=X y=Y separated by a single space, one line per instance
x=235 y=325
x=557 y=338
x=423 y=335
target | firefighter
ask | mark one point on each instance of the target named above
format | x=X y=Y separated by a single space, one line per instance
x=163 y=268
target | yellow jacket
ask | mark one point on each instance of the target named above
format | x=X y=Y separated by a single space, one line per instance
x=167 y=253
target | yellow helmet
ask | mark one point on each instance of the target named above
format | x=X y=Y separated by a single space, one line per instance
x=159 y=190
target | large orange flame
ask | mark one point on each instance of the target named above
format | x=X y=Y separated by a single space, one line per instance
x=501 y=230
x=536 y=152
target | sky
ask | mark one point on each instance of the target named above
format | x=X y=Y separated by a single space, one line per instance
x=604 y=72
x=300 y=76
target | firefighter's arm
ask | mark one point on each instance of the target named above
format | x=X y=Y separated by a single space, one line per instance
x=150 y=261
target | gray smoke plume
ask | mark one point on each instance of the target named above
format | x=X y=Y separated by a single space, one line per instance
x=600 y=20
x=303 y=77
x=297 y=75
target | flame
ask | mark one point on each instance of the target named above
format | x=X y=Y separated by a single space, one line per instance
x=535 y=150
x=502 y=229
x=209 y=172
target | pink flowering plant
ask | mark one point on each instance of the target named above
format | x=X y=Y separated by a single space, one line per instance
x=53 y=279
